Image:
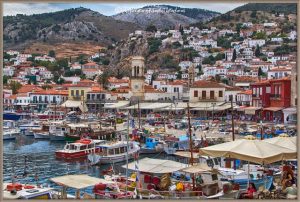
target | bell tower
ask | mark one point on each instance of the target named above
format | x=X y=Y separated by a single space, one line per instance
x=137 y=79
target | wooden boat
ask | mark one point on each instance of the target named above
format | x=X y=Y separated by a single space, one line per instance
x=43 y=133
x=58 y=130
x=79 y=149
x=113 y=152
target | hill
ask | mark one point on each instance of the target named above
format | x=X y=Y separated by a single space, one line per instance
x=286 y=8
x=72 y=25
x=165 y=16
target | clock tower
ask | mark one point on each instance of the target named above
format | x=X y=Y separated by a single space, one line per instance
x=137 y=79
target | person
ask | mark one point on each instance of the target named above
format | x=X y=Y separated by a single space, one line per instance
x=291 y=190
x=286 y=178
x=250 y=191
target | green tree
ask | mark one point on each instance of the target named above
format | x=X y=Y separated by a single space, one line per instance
x=253 y=14
x=233 y=55
x=63 y=62
x=260 y=72
x=154 y=45
x=220 y=56
x=103 y=78
x=51 y=53
x=15 y=86
x=105 y=61
x=151 y=28
x=5 y=79
x=257 y=51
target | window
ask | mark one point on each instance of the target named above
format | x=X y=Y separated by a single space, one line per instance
x=260 y=91
x=220 y=93
x=195 y=93
x=155 y=86
x=72 y=92
x=82 y=92
x=93 y=96
x=88 y=96
x=77 y=92
x=103 y=96
x=203 y=94
x=211 y=94
x=268 y=90
x=98 y=96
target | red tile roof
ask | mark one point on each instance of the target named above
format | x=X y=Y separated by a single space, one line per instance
x=207 y=84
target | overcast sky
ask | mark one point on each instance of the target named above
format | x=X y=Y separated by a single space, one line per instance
x=106 y=8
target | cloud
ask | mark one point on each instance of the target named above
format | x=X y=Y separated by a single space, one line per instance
x=106 y=8
x=28 y=8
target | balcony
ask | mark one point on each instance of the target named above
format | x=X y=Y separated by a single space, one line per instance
x=208 y=98
x=275 y=96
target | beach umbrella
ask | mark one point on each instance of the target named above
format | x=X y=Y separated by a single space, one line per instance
x=285 y=141
x=250 y=149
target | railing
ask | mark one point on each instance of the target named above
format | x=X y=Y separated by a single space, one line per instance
x=207 y=98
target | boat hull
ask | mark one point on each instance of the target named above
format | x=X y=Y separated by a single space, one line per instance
x=8 y=137
x=11 y=116
x=69 y=138
x=96 y=159
x=56 y=137
x=73 y=155
x=41 y=136
x=150 y=151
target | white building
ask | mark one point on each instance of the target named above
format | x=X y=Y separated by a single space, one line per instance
x=46 y=74
x=255 y=42
x=277 y=73
x=207 y=91
x=8 y=71
x=45 y=58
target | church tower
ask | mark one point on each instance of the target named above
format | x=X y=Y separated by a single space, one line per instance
x=137 y=79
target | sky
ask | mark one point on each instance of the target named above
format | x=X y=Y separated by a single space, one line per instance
x=107 y=8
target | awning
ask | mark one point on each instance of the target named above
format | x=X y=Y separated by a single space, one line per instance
x=150 y=106
x=221 y=107
x=75 y=104
x=149 y=165
x=240 y=108
x=290 y=110
x=79 y=181
x=251 y=110
x=273 y=109
x=117 y=105
x=200 y=168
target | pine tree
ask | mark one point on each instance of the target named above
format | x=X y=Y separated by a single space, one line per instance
x=257 y=51
x=233 y=55
x=260 y=72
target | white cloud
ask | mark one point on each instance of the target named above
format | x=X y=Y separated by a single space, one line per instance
x=28 y=8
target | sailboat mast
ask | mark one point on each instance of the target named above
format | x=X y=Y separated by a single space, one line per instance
x=232 y=121
x=191 y=141
x=127 y=137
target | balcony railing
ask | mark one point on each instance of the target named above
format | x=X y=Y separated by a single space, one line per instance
x=275 y=96
x=207 y=98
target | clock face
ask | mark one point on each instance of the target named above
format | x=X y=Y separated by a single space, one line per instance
x=136 y=86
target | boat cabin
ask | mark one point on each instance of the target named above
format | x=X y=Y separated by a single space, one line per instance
x=115 y=148
x=84 y=144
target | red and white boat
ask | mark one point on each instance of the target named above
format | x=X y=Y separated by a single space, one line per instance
x=79 y=149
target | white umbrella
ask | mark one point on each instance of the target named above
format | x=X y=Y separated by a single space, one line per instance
x=284 y=140
x=252 y=150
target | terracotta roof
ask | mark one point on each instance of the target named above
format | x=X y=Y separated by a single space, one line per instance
x=281 y=79
x=90 y=63
x=150 y=89
x=12 y=97
x=246 y=79
x=207 y=84
x=51 y=92
x=29 y=88
x=279 y=70
x=97 y=89
x=90 y=70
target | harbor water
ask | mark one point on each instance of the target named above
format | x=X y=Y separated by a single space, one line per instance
x=41 y=163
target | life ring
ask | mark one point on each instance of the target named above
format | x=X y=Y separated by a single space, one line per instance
x=28 y=187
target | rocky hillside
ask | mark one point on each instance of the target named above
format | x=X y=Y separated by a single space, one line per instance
x=165 y=16
x=72 y=25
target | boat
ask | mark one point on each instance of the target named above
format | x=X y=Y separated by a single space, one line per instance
x=111 y=191
x=10 y=134
x=10 y=115
x=152 y=145
x=79 y=149
x=27 y=192
x=58 y=130
x=49 y=114
x=26 y=127
x=173 y=144
x=41 y=135
x=113 y=152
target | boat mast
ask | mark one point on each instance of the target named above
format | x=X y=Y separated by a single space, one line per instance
x=232 y=121
x=191 y=141
x=139 y=111
x=127 y=137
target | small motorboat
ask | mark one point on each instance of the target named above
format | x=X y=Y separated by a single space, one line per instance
x=41 y=135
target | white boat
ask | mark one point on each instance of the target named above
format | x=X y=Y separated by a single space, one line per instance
x=41 y=135
x=25 y=192
x=10 y=134
x=58 y=131
x=113 y=152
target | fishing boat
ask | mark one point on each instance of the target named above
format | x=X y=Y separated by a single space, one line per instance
x=27 y=127
x=152 y=145
x=114 y=152
x=173 y=144
x=79 y=149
